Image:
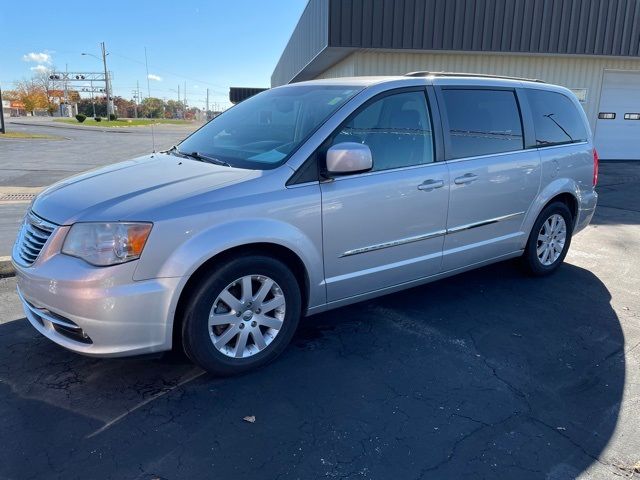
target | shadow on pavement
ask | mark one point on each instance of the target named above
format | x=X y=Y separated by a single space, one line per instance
x=619 y=195
x=488 y=374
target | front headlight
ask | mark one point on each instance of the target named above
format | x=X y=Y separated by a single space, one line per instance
x=104 y=244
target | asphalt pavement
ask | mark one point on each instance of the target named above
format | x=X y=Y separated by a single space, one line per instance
x=490 y=374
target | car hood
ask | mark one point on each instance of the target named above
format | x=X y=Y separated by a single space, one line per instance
x=124 y=190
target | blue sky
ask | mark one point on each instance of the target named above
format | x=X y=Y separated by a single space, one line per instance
x=207 y=44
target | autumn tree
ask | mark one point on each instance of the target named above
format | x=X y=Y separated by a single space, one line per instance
x=48 y=86
x=125 y=108
x=32 y=95
x=174 y=109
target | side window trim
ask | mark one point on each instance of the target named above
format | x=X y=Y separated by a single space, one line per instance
x=448 y=148
x=526 y=117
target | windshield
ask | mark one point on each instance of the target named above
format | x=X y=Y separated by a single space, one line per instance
x=261 y=132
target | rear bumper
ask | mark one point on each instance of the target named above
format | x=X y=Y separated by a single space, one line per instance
x=97 y=311
x=586 y=209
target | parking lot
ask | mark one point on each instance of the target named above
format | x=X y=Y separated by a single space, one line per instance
x=490 y=374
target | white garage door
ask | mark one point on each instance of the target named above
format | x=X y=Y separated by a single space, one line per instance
x=618 y=124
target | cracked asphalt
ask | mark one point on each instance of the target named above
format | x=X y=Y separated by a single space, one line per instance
x=490 y=374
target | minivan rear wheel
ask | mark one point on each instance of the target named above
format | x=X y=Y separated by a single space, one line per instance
x=549 y=240
x=242 y=316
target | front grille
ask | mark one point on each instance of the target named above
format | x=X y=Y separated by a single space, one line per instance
x=33 y=236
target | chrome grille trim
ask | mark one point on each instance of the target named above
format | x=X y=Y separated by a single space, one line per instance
x=32 y=238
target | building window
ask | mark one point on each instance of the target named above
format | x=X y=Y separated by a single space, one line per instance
x=607 y=116
x=632 y=116
x=482 y=122
x=580 y=93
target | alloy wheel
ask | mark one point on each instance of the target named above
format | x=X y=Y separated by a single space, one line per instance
x=246 y=316
x=551 y=239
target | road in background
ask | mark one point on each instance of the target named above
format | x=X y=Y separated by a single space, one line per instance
x=33 y=163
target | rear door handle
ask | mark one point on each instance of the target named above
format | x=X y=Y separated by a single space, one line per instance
x=466 y=178
x=430 y=184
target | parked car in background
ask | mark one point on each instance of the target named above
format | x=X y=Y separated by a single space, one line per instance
x=305 y=198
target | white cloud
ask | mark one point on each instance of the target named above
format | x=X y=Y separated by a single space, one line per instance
x=151 y=76
x=40 y=68
x=41 y=57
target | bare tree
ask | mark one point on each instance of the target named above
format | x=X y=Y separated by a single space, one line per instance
x=48 y=86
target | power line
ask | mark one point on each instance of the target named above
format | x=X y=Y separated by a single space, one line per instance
x=170 y=73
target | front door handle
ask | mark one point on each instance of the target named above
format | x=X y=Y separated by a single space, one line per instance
x=430 y=184
x=466 y=178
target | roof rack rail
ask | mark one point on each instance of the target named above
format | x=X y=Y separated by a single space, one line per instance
x=459 y=74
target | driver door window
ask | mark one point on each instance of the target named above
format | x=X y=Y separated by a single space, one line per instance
x=397 y=129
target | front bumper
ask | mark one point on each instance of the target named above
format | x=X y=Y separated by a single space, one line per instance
x=97 y=311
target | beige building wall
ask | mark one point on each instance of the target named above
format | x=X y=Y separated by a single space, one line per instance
x=572 y=72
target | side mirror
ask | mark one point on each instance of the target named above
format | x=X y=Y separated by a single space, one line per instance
x=349 y=157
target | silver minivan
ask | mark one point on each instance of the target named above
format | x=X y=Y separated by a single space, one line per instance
x=305 y=198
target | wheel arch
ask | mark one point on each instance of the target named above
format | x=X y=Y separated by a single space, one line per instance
x=565 y=190
x=273 y=250
x=569 y=200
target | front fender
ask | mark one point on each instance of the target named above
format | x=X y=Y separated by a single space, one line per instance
x=199 y=248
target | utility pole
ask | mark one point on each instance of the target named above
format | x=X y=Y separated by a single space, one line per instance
x=106 y=81
x=2 y=129
x=207 y=109
x=93 y=103
x=137 y=98
x=179 y=100
x=185 y=94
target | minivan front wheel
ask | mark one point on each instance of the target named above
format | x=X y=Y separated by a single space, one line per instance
x=242 y=316
x=549 y=240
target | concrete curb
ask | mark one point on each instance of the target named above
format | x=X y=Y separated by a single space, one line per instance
x=6 y=267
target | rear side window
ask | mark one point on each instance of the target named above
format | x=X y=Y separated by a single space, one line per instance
x=482 y=122
x=555 y=119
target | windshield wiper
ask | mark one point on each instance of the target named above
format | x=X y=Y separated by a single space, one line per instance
x=175 y=151
x=196 y=156
x=206 y=158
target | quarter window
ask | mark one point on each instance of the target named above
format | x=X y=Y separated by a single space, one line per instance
x=482 y=122
x=397 y=129
x=555 y=119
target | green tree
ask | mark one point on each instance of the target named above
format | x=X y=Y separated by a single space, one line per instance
x=152 y=108
x=86 y=108
x=174 y=109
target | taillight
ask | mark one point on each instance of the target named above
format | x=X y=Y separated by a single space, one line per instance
x=595 y=167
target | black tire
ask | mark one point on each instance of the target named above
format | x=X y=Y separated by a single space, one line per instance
x=196 y=340
x=530 y=261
